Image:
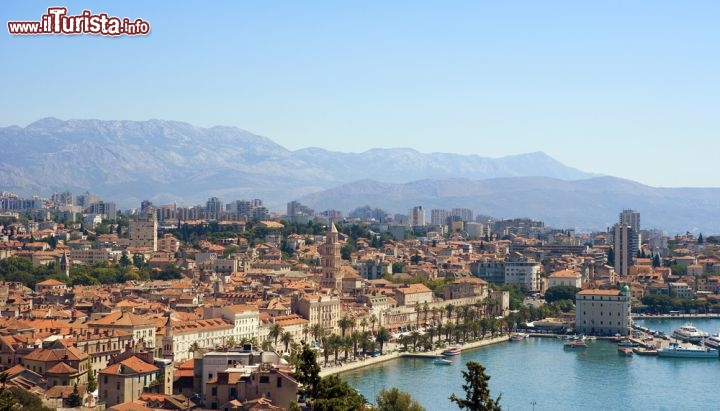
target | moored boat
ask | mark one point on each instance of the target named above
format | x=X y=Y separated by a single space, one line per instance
x=575 y=344
x=519 y=336
x=687 y=351
x=713 y=341
x=626 y=351
x=689 y=333
x=456 y=350
x=645 y=351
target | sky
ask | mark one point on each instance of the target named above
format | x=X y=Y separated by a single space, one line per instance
x=629 y=89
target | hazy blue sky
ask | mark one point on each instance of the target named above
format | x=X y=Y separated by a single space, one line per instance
x=626 y=88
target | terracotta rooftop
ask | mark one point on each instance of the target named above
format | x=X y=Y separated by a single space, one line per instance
x=61 y=368
x=120 y=319
x=599 y=292
x=131 y=365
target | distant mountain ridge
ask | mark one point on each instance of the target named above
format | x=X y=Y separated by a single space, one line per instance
x=166 y=161
x=588 y=204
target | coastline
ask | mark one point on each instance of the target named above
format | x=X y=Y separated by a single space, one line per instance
x=659 y=316
x=326 y=371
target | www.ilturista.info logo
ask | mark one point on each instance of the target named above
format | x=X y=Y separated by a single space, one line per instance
x=56 y=21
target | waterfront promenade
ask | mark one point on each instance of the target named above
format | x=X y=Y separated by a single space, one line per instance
x=393 y=354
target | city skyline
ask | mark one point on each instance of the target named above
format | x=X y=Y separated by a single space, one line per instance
x=620 y=89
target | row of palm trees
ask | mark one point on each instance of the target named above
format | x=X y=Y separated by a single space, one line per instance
x=451 y=324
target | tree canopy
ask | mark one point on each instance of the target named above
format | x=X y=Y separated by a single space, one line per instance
x=561 y=292
x=477 y=392
x=395 y=400
x=335 y=394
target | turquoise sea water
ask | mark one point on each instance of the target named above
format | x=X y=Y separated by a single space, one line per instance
x=540 y=370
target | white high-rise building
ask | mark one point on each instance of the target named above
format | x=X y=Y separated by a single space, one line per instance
x=417 y=216
x=626 y=240
x=143 y=232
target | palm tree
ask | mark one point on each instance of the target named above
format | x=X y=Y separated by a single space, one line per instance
x=335 y=342
x=194 y=347
x=286 y=338
x=417 y=316
x=415 y=337
x=449 y=308
x=356 y=337
x=383 y=336
x=327 y=345
x=345 y=323
x=426 y=309
x=434 y=312
x=275 y=332
x=363 y=324
x=347 y=345
x=305 y=331
x=373 y=320
x=404 y=340
x=318 y=332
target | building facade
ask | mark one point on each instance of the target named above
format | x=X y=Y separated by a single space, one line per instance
x=603 y=312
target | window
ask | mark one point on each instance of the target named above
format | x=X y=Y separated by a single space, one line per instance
x=279 y=381
x=264 y=379
x=213 y=391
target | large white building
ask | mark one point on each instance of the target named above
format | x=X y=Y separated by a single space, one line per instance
x=245 y=318
x=179 y=336
x=526 y=273
x=566 y=277
x=603 y=312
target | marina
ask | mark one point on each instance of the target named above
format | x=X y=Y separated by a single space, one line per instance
x=519 y=371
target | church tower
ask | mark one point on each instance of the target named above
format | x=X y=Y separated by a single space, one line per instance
x=65 y=264
x=331 y=261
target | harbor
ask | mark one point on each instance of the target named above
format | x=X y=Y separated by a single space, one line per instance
x=538 y=369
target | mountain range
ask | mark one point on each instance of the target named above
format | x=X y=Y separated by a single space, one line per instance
x=167 y=161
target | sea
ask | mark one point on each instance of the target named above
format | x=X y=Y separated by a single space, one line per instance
x=539 y=374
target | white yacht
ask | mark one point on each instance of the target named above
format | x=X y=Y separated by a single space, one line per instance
x=689 y=333
x=713 y=341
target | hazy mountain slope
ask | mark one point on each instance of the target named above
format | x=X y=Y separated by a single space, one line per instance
x=590 y=203
x=127 y=161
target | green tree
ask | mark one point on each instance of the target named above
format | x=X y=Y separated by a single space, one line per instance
x=334 y=394
x=169 y=273
x=275 y=332
x=286 y=338
x=477 y=392
x=345 y=323
x=700 y=239
x=396 y=400
x=611 y=256
x=656 y=261
x=125 y=260
x=15 y=398
x=92 y=380
x=383 y=336
x=307 y=372
x=74 y=399
x=561 y=292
